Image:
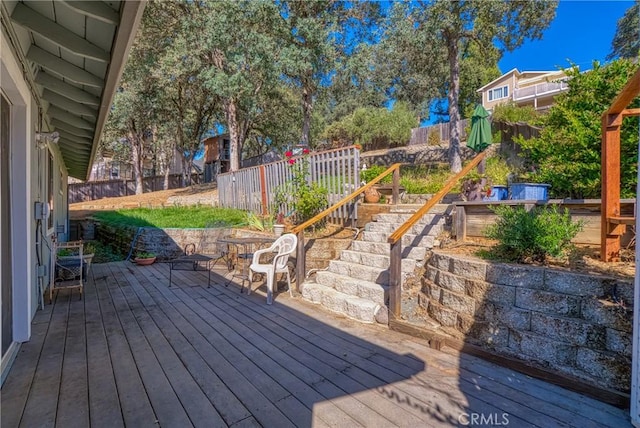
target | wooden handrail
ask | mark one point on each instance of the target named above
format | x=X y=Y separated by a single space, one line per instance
x=399 y=232
x=395 y=240
x=299 y=230
x=344 y=200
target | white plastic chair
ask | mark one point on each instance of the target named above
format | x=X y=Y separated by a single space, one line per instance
x=284 y=246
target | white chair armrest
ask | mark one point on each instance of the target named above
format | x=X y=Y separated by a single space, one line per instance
x=258 y=253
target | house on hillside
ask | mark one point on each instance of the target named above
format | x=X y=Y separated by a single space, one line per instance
x=60 y=67
x=526 y=88
x=217 y=156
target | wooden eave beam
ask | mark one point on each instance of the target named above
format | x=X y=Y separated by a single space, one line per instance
x=70 y=118
x=628 y=93
x=59 y=124
x=63 y=88
x=631 y=112
x=68 y=104
x=80 y=154
x=62 y=67
x=74 y=138
x=94 y=9
x=57 y=34
x=80 y=145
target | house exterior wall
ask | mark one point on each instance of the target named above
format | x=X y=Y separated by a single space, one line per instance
x=29 y=183
x=536 y=89
x=507 y=80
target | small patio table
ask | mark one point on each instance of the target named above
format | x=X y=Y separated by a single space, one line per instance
x=194 y=260
x=244 y=251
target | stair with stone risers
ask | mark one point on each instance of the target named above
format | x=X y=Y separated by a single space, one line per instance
x=356 y=285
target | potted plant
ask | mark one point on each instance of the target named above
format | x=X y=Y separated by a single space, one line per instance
x=144 y=259
x=278 y=227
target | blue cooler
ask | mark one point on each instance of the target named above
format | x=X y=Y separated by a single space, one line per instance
x=530 y=191
x=498 y=193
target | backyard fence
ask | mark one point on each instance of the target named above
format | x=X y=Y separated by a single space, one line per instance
x=254 y=189
x=92 y=190
x=441 y=130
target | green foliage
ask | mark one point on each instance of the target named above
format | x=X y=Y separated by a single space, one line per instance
x=178 y=217
x=423 y=179
x=567 y=154
x=510 y=112
x=299 y=199
x=145 y=255
x=433 y=139
x=530 y=236
x=375 y=127
x=497 y=170
x=373 y=171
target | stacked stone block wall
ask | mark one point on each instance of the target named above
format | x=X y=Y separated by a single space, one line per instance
x=576 y=324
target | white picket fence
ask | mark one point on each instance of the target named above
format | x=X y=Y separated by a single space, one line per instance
x=254 y=189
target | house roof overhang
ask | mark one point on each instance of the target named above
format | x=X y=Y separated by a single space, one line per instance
x=73 y=54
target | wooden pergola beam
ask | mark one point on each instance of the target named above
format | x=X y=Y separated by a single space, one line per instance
x=612 y=228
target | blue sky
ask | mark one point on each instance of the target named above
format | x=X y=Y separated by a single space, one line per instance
x=581 y=32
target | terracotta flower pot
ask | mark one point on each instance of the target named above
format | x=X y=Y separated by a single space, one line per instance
x=145 y=261
x=371 y=196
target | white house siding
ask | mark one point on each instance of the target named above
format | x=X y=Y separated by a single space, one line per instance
x=28 y=184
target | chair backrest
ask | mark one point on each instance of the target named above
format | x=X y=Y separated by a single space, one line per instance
x=286 y=245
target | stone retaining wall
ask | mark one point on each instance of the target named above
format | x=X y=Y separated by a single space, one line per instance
x=169 y=243
x=579 y=325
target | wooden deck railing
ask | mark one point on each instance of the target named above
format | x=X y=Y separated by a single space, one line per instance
x=395 y=239
x=299 y=229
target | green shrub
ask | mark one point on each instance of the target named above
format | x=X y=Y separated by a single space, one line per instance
x=373 y=171
x=530 y=236
x=510 y=112
x=298 y=199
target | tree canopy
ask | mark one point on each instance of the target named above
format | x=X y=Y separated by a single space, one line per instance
x=626 y=41
x=567 y=154
x=273 y=74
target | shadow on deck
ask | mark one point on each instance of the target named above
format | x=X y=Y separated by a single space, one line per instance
x=136 y=352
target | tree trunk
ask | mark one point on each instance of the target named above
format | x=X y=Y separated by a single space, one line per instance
x=136 y=157
x=307 y=109
x=231 y=114
x=454 y=114
x=167 y=173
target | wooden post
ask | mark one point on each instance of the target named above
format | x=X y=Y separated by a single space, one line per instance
x=461 y=223
x=610 y=234
x=300 y=261
x=396 y=186
x=263 y=190
x=395 y=280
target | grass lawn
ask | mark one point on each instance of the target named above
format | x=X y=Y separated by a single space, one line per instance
x=172 y=217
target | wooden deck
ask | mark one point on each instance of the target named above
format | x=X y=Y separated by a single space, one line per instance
x=137 y=353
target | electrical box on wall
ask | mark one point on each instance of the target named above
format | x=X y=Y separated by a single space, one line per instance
x=41 y=210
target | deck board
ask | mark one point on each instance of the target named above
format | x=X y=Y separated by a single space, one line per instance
x=136 y=352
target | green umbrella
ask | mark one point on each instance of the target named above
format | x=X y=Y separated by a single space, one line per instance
x=480 y=135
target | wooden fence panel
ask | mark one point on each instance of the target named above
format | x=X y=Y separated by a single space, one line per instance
x=421 y=135
x=92 y=190
x=336 y=170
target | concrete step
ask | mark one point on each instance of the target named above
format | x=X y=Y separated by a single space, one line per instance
x=374 y=260
x=415 y=253
x=412 y=208
x=433 y=228
x=399 y=218
x=360 y=309
x=408 y=239
x=355 y=270
x=377 y=293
